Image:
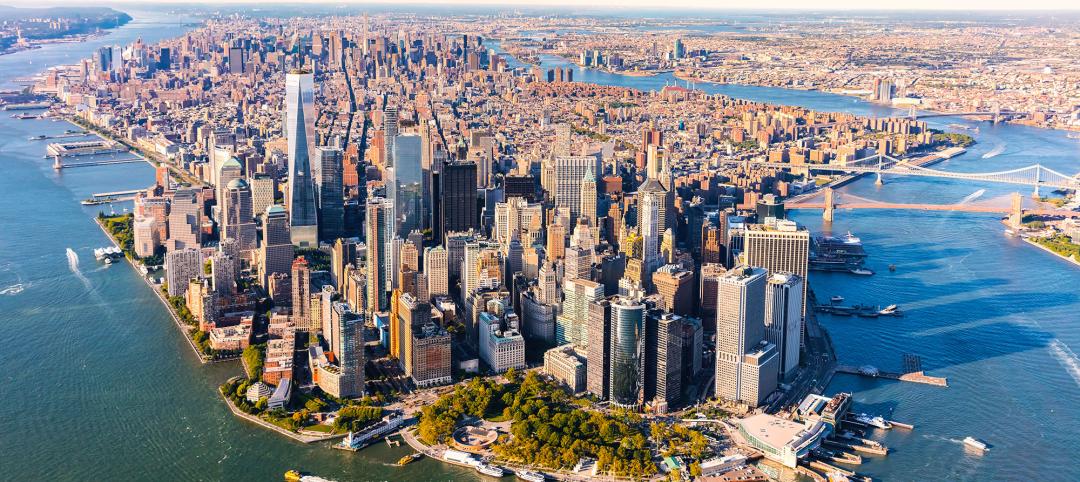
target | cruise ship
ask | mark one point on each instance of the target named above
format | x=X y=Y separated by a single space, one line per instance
x=841 y=254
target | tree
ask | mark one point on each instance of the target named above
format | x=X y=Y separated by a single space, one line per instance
x=261 y=404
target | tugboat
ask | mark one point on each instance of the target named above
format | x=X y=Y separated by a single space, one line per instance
x=976 y=444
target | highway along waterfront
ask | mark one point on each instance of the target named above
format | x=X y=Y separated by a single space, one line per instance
x=98 y=384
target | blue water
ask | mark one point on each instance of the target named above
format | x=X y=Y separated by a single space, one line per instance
x=999 y=318
x=98 y=384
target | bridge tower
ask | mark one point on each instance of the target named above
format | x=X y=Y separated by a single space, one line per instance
x=880 y=161
x=830 y=205
x=1016 y=217
x=57 y=163
x=1038 y=179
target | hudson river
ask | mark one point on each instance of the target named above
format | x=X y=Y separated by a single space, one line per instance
x=98 y=384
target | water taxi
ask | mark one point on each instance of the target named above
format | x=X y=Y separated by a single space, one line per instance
x=292 y=476
x=976 y=444
x=408 y=459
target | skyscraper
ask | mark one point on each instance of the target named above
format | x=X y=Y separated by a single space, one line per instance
x=783 y=246
x=237 y=221
x=663 y=359
x=783 y=319
x=569 y=173
x=348 y=345
x=331 y=200
x=379 y=263
x=571 y=326
x=437 y=270
x=746 y=364
x=627 y=353
x=651 y=215
x=598 y=367
x=300 y=132
x=301 y=296
x=185 y=219
x=181 y=265
x=458 y=190
x=406 y=184
x=277 y=250
x=588 y=200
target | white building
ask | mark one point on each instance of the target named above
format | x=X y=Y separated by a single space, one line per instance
x=500 y=348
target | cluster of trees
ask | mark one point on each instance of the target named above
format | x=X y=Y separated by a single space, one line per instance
x=236 y=391
x=548 y=429
x=1060 y=244
x=952 y=139
x=679 y=440
x=122 y=227
x=254 y=357
x=356 y=417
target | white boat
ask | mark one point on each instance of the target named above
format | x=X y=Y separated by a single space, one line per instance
x=492 y=470
x=861 y=271
x=529 y=476
x=873 y=421
x=888 y=310
x=976 y=444
x=837 y=299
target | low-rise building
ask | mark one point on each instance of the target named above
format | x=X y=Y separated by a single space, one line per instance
x=780 y=439
x=567 y=366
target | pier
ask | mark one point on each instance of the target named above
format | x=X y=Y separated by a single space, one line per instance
x=59 y=164
x=912 y=372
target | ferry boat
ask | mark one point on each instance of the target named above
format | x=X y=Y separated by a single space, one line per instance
x=492 y=470
x=408 y=459
x=976 y=444
x=837 y=299
x=873 y=421
x=292 y=476
x=358 y=440
x=529 y=476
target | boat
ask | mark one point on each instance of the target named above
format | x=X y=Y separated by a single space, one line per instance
x=36 y=138
x=492 y=470
x=1073 y=135
x=292 y=476
x=892 y=267
x=889 y=310
x=873 y=421
x=861 y=271
x=408 y=459
x=976 y=444
x=1009 y=232
x=837 y=299
x=357 y=440
x=530 y=476
x=843 y=254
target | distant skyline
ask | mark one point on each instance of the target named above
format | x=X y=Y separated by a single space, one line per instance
x=741 y=5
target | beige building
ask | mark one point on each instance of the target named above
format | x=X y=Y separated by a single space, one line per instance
x=567 y=366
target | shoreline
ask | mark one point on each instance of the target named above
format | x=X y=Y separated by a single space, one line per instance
x=1070 y=260
x=305 y=439
x=184 y=329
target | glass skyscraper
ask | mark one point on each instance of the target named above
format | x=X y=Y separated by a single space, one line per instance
x=300 y=132
x=627 y=355
x=406 y=189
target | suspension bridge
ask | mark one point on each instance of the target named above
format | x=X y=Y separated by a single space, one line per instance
x=1035 y=175
x=1012 y=205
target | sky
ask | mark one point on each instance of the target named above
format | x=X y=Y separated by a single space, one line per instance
x=864 y=5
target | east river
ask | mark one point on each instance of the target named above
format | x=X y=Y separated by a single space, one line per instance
x=98 y=384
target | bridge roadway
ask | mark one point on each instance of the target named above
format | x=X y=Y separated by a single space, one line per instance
x=969 y=208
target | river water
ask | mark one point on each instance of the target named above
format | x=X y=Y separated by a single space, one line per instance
x=98 y=383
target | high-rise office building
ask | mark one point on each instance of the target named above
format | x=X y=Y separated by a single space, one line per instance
x=379 y=234
x=301 y=296
x=627 y=353
x=238 y=224
x=783 y=319
x=598 y=368
x=746 y=364
x=405 y=185
x=236 y=60
x=663 y=359
x=675 y=286
x=185 y=219
x=571 y=326
x=328 y=180
x=569 y=173
x=651 y=215
x=276 y=252
x=262 y=193
x=458 y=202
x=589 y=200
x=300 y=132
x=782 y=247
x=437 y=270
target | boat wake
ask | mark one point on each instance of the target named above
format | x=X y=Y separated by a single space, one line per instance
x=73 y=264
x=13 y=289
x=973 y=196
x=998 y=149
x=939 y=438
x=1067 y=358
